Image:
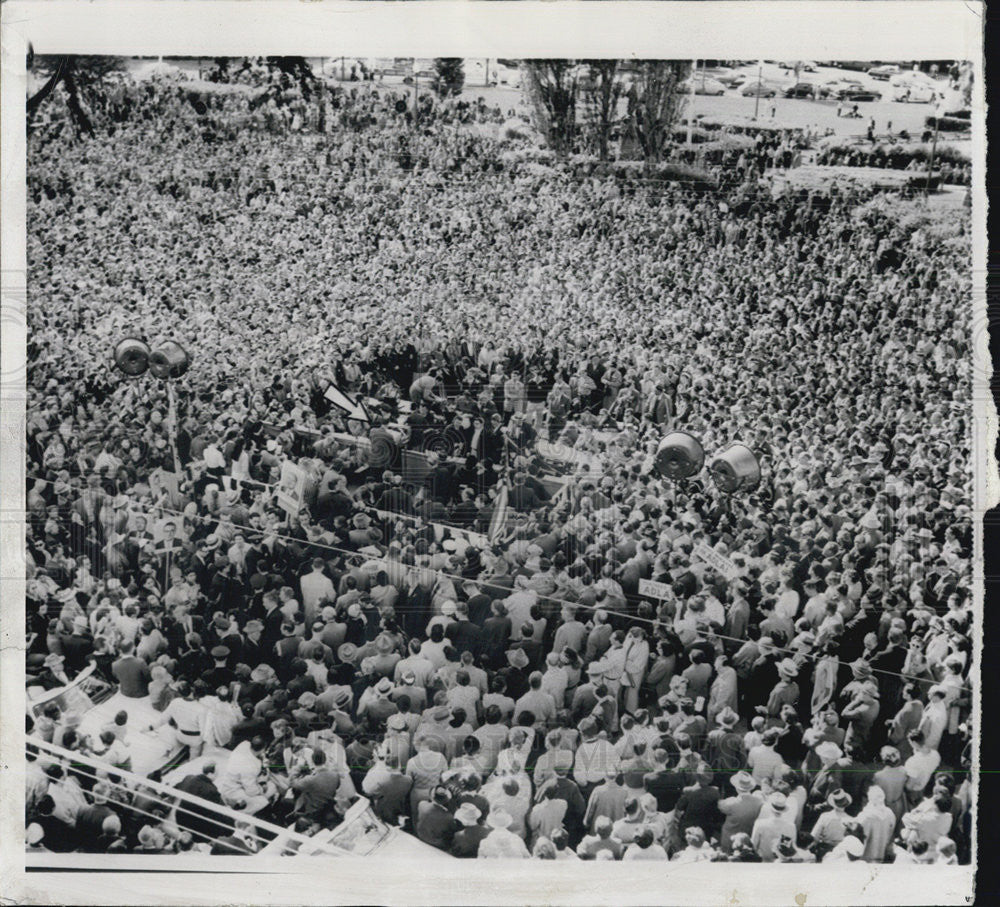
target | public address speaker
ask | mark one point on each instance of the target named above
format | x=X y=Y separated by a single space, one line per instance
x=132 y=356
x=384 y=447
x=736 y=469
x=169 y=360
x=679 y=456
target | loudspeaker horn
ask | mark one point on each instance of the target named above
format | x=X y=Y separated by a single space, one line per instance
x=679 y=456
x=384 y=447
x=169 y=360
x=132 y=356
x=736 y=469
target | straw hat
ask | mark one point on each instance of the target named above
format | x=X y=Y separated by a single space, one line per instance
x=469 y=815
x=840 y=799
x=517 y=658
x=828 y=751
x=788 y=669
x=727 y=718
x=743 y=782
x=347 y=652
x=499 y=818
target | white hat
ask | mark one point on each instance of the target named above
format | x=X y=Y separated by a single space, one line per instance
x=500 y=818
x=468 y=814
x=829 y=751
x=788 y=668
x=853 y=846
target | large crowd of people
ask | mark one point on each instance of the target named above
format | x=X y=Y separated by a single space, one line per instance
x=468 y=646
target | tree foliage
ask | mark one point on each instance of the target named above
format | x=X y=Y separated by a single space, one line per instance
x=83 y=79
x=655 y=102
x=449 y=76
x=600 y=94
x=552 y=89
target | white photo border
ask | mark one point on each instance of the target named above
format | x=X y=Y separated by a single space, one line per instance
x=826 y=29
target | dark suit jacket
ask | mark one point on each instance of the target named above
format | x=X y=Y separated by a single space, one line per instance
x=522 y=498
x=175 y=632
x=465 y=636
x=479 y=608
x=700 y=807
x=132 y=675
x=391 y=800
x=76 y=649
x=467 y=841
x=667 y=787
x=317 y=793
x=435 y=825
x=194 y=817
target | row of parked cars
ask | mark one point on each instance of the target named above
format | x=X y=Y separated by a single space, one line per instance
x=904 y=87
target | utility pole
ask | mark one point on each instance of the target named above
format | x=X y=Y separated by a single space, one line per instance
x=690 y=135
x=343 y=70
x=756 y=104
x=930 y=164
x=416 y=96
x=172 y=419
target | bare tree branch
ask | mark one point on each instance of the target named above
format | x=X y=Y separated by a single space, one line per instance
x=601 y=91
x=551 y=87
x=655 y=102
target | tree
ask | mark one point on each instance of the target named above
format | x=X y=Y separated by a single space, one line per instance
x=600 y=92
x=655 y=102
x=551 y=87
x=450 y=76
x=84 y=80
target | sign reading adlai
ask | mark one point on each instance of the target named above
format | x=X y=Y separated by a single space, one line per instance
x=655 y=590
x=719 y=561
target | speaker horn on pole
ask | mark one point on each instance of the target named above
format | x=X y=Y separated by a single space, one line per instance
x=169 y=360
x=132 y=356
x=679 y=456
x=736 y=469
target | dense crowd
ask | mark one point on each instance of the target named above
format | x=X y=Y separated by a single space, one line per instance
x=471 y=651
x=897 y=157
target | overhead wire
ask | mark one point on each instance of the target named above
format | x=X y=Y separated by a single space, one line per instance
x=485 y=584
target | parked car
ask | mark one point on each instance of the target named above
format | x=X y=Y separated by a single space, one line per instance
x=832 y=88
x=860 y=94
x=884 y=72
x=801 y=65
x=800 y=90
x=732 y=80
x=912 y=93
x=703 y=85
x=758 y=90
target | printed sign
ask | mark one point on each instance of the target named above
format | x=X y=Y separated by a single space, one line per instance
x=290 y=492
x=719 y=561
x=654 y=589
x=163 y=482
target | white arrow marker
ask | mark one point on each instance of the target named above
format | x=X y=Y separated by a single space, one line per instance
x=353 y=409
